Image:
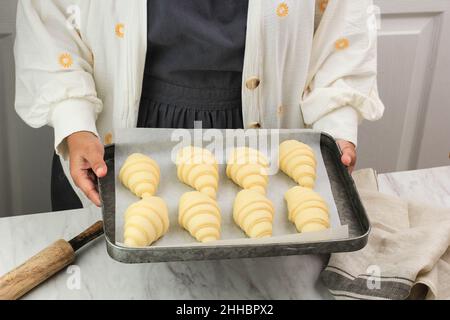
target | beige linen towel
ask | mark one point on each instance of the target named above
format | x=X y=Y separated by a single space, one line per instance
x=407 y=255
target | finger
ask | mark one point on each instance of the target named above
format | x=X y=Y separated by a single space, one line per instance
x=350 y=160
x=94 y=157
x=86 y=184
x=346 y=159
x=349 y=155
x=354 y=157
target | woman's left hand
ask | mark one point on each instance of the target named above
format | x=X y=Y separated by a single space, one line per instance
x=348 y=154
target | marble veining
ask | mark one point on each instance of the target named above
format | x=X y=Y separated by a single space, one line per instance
x=428 y=186
x=100 y=277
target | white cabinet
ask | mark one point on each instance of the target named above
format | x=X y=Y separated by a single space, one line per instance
x=414 y=83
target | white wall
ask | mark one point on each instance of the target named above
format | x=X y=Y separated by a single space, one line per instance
x=25 y=153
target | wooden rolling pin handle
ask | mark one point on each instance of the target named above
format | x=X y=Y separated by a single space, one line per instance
x=45 y=264
x=87 y=236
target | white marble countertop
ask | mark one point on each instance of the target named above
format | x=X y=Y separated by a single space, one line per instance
x=428 y=186
x=100 y=277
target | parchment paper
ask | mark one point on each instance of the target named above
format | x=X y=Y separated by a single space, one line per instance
x=158 y=144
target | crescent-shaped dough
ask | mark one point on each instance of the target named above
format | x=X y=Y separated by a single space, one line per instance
x=145 y=222
x=200 y=215
x=140 y=174
x=198 y=168
x=307 y=209
x=253 y=213
x=248 y=169
x=298 y=161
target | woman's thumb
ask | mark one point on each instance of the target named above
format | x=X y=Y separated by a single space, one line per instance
x=97 y=164
x=346 y=159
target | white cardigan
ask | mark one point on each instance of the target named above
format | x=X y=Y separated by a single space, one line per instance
x=296 y=74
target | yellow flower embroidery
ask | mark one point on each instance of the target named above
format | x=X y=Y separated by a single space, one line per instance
x=323 y=5
x=120 y=30
x=282 y=10
x=342 y=44
x=280 y=110
x=65 y=60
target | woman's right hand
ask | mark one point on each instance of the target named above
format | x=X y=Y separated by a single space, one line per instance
x=86 y=159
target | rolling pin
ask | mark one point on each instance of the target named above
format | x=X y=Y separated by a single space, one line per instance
x=45 y=264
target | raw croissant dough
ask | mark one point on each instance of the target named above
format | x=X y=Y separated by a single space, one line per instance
x=200 y=215
x=248 y=168
x=140 y=174
x=307 y=209
x=298 y=161
x=198 y=168
x=253 y=212
x=145 y=222
x=148 y=219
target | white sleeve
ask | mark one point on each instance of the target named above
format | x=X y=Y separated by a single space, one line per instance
x=343 y=74
x=54 y=83
x=341 y=124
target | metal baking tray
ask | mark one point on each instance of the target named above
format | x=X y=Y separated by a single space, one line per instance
x=350 y=209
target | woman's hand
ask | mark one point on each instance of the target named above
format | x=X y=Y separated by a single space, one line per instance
x=348 y=154
x=86 y=159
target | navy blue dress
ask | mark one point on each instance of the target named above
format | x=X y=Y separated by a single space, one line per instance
x=194 y=64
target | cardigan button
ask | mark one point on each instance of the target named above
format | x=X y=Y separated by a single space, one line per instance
x=254 y=125
x=280 y=110
x=108 y=139
x=252 y=83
